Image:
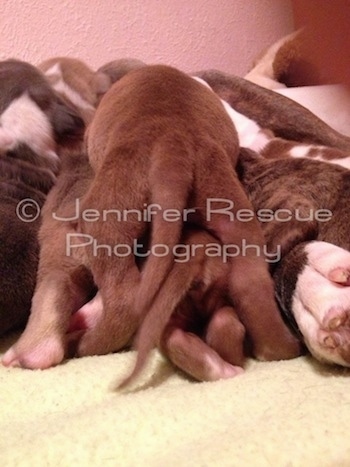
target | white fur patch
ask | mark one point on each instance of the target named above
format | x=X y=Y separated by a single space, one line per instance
x=24 y=122
x=62 y=87
x=303 y=150
x=250 y=134
x=300 y=150
x=343 y=162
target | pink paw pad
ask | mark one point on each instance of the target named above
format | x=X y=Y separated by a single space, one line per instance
x=339 y=275
x=335 y=319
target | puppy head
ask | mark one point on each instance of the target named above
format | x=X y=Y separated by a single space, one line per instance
x=75 y=82
x=116 y=69
x=31 y=113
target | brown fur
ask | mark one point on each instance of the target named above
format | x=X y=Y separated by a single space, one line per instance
x=116 y=69
x=192 y=319
x=142 y=150
x=301 y=186
x=57 y=273
x=26 y=174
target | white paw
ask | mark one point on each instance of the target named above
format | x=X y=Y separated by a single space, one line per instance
x=329 y=260
x=321 y=303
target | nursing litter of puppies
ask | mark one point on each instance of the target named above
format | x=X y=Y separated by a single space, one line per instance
x=153 y=144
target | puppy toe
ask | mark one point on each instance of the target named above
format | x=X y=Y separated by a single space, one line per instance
x=329 y=260
x=10 y=358
x=335 y=318
x=339 y=275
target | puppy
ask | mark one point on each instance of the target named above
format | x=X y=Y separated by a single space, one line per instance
x=281 y=65
x=302 y=205
x=144 y=153
x=116 y=69
x=192 y=319
x=77 y=83
x=86 y=335
x=269 y=110
x=170 y=162
x=34 y=124
x=72 y=79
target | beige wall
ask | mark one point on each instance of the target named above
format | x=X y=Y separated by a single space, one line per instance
x=189 y=34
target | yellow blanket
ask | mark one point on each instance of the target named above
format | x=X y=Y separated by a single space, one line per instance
x=291 y=413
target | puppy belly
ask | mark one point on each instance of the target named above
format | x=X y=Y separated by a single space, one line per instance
x=321 y=303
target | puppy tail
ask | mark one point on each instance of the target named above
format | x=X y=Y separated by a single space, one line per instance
x=175 y=288
x=171 y=178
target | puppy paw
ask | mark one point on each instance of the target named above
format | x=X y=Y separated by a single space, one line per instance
x=321 y=307
x=331 y=261
x=282 y=348
x=45 y=354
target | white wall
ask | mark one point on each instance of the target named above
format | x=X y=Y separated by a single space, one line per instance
x=189 y=34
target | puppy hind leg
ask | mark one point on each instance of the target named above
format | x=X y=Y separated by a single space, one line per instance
x=174 y=289
x=43 y=342
x=110 y=320
x=225 y=334
x=250 y=284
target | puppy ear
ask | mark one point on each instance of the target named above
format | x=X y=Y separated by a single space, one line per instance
x=68 y=126
x=101 y=83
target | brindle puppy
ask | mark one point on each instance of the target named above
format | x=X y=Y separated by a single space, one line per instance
x=303 y=208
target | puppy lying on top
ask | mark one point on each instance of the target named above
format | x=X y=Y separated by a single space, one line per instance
x=34 y=125
x=158 y=138
x=312 y=276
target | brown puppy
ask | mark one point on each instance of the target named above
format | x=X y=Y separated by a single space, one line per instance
x=72 y=182
x=142 y=125
x=88 y=333
x=192 y=319
x=34 y=125
x=82 y=87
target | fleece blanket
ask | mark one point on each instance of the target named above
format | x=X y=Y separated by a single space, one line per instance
x=291 y=413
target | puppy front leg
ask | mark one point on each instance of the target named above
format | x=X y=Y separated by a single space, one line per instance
x=316 y=299
x=43 y=342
